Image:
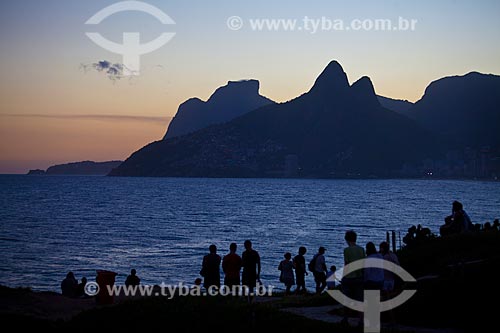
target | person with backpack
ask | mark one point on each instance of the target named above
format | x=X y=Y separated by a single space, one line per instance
x=317 y=266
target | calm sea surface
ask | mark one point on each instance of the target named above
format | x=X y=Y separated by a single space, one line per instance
x=163 y=226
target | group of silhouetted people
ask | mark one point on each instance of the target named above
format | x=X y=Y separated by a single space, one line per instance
x=294 y=270
x=417 y=234
x=354 y=283
x=71 y=288
x=487 y=226
x=460 y=222
x=232 y=264
x=325 y=278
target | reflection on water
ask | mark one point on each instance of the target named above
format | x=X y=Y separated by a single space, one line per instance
x=163 y=226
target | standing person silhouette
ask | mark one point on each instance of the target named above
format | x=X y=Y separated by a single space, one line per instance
x=231 y=266
x=132 y=279
x=320 y=270
x=389 y=277
x=299 y=263
x=210 y=268
x=373 y=277
x=352 y=284
x=286 y=276
x=251 y=268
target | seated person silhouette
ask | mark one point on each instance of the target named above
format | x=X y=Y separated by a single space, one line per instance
x=330 y=281
x=80 y=289
x=69 y=285
x=457 y=222
x=132 y=279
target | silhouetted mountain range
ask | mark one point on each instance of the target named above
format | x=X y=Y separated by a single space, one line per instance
x=341 y=130
x=226 y=103
x=333 y=130
x=463 y=110
x=79 y=168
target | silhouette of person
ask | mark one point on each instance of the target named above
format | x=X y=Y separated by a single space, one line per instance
x=411 y=236
x=389 y=277
x=352 y=284
x=210 y=268
x=69 y=285
x=373 y=277
x=197 y=281
x=496 y=224
x=457 y=222
x=286 y=276
x=80 y=290
x=299 y=262
x=251 y=267
x=330 y=281
x=231 y=266
x=197 y=284
x=320 y=270
x=132 y=279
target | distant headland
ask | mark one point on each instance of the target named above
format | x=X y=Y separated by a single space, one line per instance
x=78 y=168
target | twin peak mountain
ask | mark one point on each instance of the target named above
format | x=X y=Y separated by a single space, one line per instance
x=333 y=130
x=240 y=97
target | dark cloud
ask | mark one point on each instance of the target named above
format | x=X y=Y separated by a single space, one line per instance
x=113 y=71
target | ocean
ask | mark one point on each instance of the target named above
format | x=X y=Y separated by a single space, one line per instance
x=162 y=227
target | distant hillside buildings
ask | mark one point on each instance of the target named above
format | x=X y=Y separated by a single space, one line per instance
x=481 y=163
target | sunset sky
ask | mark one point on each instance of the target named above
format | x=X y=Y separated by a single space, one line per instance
x=55 y=109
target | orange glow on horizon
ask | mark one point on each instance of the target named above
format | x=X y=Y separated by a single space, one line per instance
x=38 y=142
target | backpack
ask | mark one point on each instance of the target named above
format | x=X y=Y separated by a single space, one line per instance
x=312 y=264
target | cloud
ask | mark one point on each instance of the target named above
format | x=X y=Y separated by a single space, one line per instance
x=114 y=72
x=103 y=117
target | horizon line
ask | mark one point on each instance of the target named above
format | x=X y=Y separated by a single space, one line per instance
x=108 y=117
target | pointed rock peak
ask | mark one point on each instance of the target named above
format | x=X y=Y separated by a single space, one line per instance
x=333 y=68
x=363 y=91
x=364 y=84
x=332 y=79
